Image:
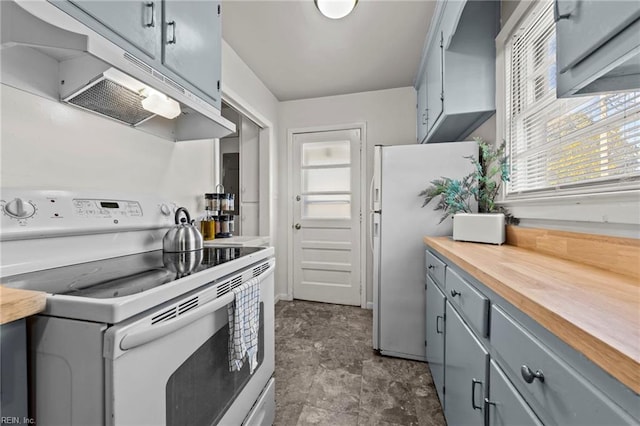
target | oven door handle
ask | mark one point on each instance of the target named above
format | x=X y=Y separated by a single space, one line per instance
x=141 y=337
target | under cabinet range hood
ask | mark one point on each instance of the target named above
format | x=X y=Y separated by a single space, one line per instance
x=48 y=53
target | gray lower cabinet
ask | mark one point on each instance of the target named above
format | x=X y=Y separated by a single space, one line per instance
x=510 y=374
x=466 y=366
x=13 y=380
x=435 y=336
x=505 y=406
x=557 y=392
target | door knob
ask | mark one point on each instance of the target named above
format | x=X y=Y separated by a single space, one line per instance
x=297 y=226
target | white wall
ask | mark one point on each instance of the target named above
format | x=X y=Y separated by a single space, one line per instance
x=46 y=144
x=390 y=117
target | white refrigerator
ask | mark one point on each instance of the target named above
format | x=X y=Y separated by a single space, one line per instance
x=399 y=224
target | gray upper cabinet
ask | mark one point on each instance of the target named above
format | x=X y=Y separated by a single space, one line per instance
x=597 y=46
x=421 y=106
x=459 y=63
x=434 y=83
x=137 y=22
x=181 y=39
x=192 y=39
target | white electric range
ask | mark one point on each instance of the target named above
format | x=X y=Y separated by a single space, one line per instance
x=131 y=335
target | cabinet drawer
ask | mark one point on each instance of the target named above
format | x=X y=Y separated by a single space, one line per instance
x=471 y=303
x=562 y=394
x=506 y=406
x=435 y=269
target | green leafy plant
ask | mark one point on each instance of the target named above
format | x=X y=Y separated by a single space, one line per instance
x=482 y=185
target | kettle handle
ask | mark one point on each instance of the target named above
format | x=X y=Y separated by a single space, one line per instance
x=186 y=213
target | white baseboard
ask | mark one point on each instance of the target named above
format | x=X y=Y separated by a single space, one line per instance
x=283 y=296
x=369 y=305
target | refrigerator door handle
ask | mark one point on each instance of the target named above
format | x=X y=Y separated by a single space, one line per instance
x=371 y=213
x=371 y=201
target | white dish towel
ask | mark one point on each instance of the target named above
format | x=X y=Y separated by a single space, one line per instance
x=244 y=324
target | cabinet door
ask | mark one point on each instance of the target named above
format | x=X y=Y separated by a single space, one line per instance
x=435 y=95
x=422 y=107
x=465 y=373
x=435 y=335
x=137 y=22
x=506 y=407
x=192 y=43
x=583 y=26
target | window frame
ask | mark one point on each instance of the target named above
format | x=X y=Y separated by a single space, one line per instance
x=615 y=203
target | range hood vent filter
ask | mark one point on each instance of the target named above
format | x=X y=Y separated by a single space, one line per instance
x=113 y=100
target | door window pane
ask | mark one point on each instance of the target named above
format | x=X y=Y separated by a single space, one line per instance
x=329 y=179
x=326 y=206
x=326 y=153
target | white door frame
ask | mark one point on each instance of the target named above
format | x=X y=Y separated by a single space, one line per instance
x=266 y=136
x=363 y=200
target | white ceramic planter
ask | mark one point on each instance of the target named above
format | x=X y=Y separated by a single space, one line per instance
x=479 y=227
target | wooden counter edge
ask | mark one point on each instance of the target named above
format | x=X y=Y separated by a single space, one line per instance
x=16 y=304
x=618 y=364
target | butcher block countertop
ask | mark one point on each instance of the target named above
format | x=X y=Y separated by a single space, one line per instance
x=16 y=304
x=595 y=311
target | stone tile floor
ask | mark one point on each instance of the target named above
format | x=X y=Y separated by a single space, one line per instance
x=328 y=374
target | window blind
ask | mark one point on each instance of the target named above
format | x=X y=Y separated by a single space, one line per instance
x=562 y=143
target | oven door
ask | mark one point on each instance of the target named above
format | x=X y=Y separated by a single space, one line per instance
x=175 y=371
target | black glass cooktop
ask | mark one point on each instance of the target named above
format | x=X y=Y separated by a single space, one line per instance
x=125 y=275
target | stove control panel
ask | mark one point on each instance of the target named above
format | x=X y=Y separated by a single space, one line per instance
x=107 y=208
x=27 y=213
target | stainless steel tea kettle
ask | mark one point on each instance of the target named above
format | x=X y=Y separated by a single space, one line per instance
x=184 y=236
x=183 y=263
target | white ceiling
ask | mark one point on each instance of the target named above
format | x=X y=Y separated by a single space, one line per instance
x=298 y=53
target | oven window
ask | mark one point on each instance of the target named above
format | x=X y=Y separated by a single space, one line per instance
x=201 y=390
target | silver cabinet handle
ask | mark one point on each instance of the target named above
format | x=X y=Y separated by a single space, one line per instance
x=438 y=318
x=474 y=382
x=556 y=12
x=529 y=376
x=172 y=40
x=152 y=22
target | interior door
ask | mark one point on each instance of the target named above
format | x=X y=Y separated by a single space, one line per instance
x=327 y=215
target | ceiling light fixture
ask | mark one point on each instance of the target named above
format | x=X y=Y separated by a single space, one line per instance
x=335 y=9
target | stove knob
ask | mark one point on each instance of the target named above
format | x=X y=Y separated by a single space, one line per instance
x=19 y=208
x=165 y=210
